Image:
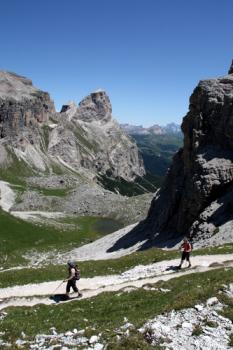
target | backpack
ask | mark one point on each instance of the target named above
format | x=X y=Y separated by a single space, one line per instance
x=77 y=274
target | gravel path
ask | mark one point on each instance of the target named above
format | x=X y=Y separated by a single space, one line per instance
x=32 y=294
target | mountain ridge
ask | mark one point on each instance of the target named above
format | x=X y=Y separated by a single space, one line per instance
x=170 y=128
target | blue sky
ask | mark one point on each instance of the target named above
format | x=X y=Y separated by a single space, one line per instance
x=147 y=54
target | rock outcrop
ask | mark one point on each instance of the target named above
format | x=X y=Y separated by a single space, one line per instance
x=21 y=105
x=231 y=68
x=197 y=195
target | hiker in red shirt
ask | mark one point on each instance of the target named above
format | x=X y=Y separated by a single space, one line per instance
x=186 y=249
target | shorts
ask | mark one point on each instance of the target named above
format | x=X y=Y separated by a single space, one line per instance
x=71 y=284
x=185 y=256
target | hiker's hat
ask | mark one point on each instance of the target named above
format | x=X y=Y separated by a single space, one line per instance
x=71 y=263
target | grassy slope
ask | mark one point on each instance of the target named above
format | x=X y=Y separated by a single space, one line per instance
x=16 y=171
x=18 y=236
x=106 y=311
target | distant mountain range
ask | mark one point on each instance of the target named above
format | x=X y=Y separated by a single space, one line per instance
x=157 y=145
x=171 y=128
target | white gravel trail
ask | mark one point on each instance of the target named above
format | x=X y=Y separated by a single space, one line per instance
x=32 y=294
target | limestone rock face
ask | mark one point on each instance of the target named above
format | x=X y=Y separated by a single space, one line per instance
x=21 y=104
x=96 y=106
x=198 y=191
x=24 y=112
x=87 y=136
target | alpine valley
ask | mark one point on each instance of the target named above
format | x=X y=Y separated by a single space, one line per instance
x=117 y=200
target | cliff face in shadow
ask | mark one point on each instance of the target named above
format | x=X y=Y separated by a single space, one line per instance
x=200 y=180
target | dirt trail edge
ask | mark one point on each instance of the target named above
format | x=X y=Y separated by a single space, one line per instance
x=32 y=294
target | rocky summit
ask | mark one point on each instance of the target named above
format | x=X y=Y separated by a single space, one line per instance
x=85 y=138
x=196 y=198
x=22 y=106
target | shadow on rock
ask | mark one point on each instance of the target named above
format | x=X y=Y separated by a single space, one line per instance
x=142 y=234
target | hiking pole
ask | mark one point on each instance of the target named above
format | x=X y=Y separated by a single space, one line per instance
x=58 y=287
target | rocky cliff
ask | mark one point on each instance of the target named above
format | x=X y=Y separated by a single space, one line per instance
x=197 y=195
x=88 y=136
x=84 y=138
x=21 y=105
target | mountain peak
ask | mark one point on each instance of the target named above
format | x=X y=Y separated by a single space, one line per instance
x=70 y=108
x=99 y=90
x=15 y=86
x=69 y=105
x=96 y=106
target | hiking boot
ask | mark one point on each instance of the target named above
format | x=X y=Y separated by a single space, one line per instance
x=179 y=267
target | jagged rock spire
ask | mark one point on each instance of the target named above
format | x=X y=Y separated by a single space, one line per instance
x=231 y=68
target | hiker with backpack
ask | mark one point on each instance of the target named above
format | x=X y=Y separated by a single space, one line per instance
x=74 y=275
x=186 y=248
